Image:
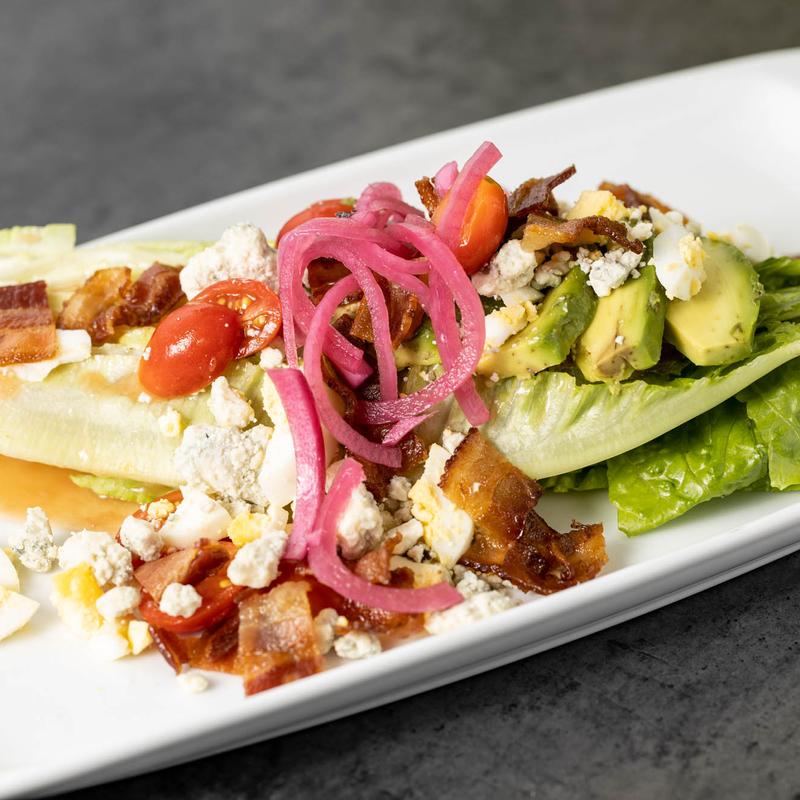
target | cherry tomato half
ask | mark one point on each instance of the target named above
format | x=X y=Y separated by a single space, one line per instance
x=257 y=306
x=219 y=596
x=322 y=208
x=484 y=225
x=190 y=347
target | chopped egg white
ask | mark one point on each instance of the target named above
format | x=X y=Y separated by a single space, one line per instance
x=16 y=611
x=197 y=517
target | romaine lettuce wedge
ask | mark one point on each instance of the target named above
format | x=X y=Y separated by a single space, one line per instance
x=773 y=404
x=712 y=456
x=120 y=488
x=777 y=273
x=551 y=424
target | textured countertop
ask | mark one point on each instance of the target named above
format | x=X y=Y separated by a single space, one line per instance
x=117 y=112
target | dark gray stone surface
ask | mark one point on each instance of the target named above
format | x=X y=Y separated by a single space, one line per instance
x=116 y=112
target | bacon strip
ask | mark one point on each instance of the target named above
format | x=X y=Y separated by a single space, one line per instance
x=27 y=326
x=109 y=299
x=182 y=566
x=543 y=231
x=276 y=638
x=633 y=197
x=427 y=194
x=535 y=196
x=511 y=539
x=405 y=315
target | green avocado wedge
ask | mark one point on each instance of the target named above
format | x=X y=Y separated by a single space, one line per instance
x=551 y=423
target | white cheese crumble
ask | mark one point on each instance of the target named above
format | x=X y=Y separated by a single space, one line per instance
x=139 y=636
x=270 y=358
x=225 y=461
x=451 y=440
x=481 y=601
x=357 y=644
x=180 y=600
x=360 y=526
x=197 y=517
x=71 y=347
x=228 y=406
x=526 y=294
x=34 y=545
x=170 y=424
x=256 y=563
x=109 y=560
x=606 y=271
x=410 y=533
x=448 y=530
x=511 y=267
x=550 y=274
x=242 y=252
x=326 y=625
x=192 y=682
x=118 y=602
x=141 y=538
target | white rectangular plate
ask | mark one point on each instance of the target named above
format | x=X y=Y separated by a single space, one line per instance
x=720 y=142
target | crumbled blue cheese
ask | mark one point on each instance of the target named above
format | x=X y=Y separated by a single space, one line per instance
x=224 y=461
x=197 y=517
x=180 y=600
x=256 y=563
x=270 y=358
x=34 y=545
x=410 y=533
x=357 y=644
x=242 y=252
x=192 y=682
x=141 y=538
x=360 y=527
x=549 y=274
x=228 y=406
x=511 y=267
x=327 y=625
x=606 y=271
x=109 y=560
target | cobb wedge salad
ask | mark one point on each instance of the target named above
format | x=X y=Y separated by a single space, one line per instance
x=337 y=440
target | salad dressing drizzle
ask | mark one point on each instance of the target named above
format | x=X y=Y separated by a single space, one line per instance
x=24 y=484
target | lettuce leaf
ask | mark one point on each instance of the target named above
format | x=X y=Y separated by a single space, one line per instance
x=712 y=456
x=551 y=423
x=120 y=488
x=581 y=480
x=777 y=273
x=773 y=404
x=779 y=305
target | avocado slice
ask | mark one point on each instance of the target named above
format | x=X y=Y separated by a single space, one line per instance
x=546 y=342
x=421 y=351
x=717 y=325
x=626 y=332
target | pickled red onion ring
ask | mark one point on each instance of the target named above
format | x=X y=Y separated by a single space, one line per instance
x=330 y=571
x=330 y=417
x=309 y=454
x=444 y=178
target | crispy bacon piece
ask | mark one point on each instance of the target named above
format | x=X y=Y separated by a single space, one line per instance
x=27 y=327
x=277 y=643
x=171 y=648
x=633 y=197
x=109 y=299
x=182 y=566
x=535 y=196
x=374 y=566
x=86 y=308
x=543 y=231
x=324 y=273
x=511 y=539
x=427 y=194
x=215 y=649
x=405 y=315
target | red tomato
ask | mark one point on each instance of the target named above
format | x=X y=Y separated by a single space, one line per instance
x=322 y=208
x=191 y=346
x=258 y=307
x=484 y=225
x=219 y=598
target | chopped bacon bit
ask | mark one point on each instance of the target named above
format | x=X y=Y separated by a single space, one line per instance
x=182 y=566
x=405 y=315
x=86 y=308
x=511 y=539
x=171 y=648
x=427 y=194
x=215 y=649
x=633 y=197
x=109 y=299
x=324 y=273
x=535 y=196
x=27 y=327
x=277 y=643
x=374 y=566
x=542 y=231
